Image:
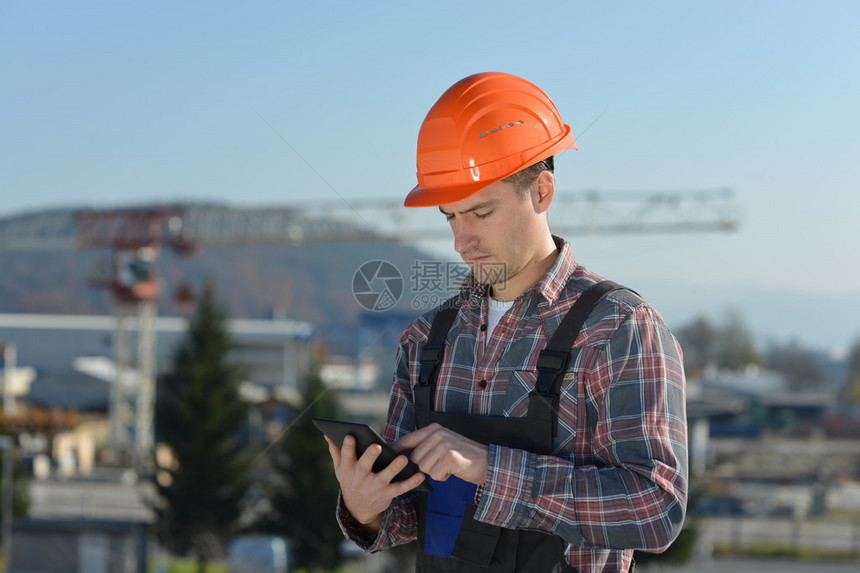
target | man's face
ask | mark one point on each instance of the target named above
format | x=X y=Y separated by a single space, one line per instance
x=495 y=232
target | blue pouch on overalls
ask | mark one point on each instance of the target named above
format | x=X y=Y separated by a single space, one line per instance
x=446 y=506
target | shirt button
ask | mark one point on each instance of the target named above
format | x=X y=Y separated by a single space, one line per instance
x=483 y=327
x=482 y=384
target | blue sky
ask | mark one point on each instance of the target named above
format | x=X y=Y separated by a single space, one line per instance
x=113 y=103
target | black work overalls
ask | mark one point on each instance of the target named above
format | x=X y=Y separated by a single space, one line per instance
x=480 y=547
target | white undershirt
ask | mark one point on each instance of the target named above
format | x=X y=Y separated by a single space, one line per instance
x=495 y=310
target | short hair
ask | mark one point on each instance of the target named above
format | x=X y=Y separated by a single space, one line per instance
x=524 y=178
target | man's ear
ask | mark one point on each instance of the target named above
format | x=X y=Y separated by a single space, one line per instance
x=543 y=191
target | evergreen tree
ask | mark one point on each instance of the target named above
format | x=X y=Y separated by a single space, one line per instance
x=305 y=498
x=20 y=481
x=202 y=421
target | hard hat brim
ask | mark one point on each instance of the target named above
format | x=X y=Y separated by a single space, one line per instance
x=435 y=196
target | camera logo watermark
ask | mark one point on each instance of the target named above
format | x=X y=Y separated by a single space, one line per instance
x=377 y=285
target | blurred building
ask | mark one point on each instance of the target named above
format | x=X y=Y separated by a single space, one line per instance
x=274 y=352
x=72 y=365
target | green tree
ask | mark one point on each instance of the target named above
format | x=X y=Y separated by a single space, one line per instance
x=729 y=345
x=851 y=389
x=201 y=420
x=305 y=493
x=799 y=365
x=699 y=341
x=737 y=344
x=20 y=483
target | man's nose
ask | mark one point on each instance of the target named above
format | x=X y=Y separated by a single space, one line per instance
x=465 y=238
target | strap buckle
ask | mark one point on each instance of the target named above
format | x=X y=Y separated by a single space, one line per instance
x=431 y=356
x=431 y=353
x=552 y=360
x=550 y=364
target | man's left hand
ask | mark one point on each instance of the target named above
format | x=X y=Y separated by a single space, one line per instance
x=441 y=453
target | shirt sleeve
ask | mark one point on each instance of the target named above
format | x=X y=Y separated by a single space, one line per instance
x=399 y=525
x=400 y=521
x=631 y=493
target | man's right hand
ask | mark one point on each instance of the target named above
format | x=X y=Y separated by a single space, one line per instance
x=366 y=494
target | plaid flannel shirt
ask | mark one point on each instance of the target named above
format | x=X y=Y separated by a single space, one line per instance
x=616 y=479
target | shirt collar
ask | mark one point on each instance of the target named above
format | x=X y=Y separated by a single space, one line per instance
x=553 y=282
x=549 y=286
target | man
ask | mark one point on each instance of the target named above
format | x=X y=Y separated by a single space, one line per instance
x=550 y=446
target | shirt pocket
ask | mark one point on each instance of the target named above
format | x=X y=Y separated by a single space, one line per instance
x=519 y=385
x=571 y=409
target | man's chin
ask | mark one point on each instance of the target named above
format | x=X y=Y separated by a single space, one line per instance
x=490 y=280
x=493 y=275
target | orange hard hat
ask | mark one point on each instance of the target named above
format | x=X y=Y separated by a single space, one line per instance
x=484 y=128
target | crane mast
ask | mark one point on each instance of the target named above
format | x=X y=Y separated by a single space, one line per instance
x=134 y=237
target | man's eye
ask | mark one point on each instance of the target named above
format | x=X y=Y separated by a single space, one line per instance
x=483 y=215
x=448 y=217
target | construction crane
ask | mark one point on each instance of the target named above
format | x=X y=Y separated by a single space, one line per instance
x=135 y=237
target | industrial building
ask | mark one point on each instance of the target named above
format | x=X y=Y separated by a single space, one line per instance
x=64 y=363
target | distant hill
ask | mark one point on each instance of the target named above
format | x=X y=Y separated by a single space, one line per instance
x=309 y=282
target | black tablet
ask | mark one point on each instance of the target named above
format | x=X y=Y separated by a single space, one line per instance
x=365 y=436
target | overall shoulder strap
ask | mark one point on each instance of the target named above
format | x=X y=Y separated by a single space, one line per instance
x=434 y=349
x=430 y=357
x=552 y=361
